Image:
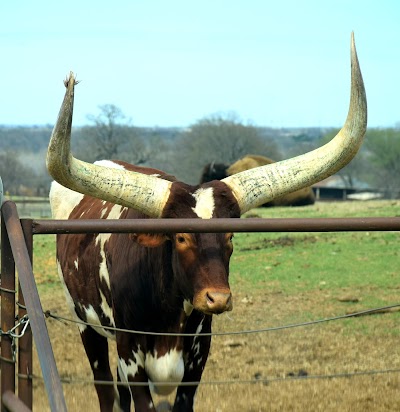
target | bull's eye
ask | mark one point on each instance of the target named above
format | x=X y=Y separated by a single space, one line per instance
x=180 y=239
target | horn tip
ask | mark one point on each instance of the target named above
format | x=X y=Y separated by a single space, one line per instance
x=352 y=43
x=70 y=80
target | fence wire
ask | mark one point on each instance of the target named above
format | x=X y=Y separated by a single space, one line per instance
x=243 y=332
x=261 y=380
x=258 y=380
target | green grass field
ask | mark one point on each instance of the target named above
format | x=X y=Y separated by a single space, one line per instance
x=354 y=270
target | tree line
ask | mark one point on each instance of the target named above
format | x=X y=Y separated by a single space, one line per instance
x=183 y=152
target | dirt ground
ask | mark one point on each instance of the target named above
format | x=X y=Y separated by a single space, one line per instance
x=270 y=371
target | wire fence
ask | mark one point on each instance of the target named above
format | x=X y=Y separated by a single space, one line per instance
x=242 y=332
x=261 y=380
x=388 y=309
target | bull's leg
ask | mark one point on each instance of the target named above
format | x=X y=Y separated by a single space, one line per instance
x=131 y=369
x=196 y=353
x=141 y=394
x=124 y=392
x=96 y=347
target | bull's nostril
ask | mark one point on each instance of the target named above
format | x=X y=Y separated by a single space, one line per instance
x=210 y=299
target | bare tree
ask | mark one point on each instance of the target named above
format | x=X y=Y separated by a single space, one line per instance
x=220 y=139
x=384 y=159
x=356 y=169
x=107 y=130
x=111 y=137
x=18 y=179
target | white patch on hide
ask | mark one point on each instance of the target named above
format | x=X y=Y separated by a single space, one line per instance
x=204 y=203
x=199 y=328
x=63 y=201
x=187 y=307
x=196 y=349
x=69 y=300
x=116 y=212
x=131 y=368
x=167 y=368
x=124 y=379
x=109 y=163
x=102 y=238
x=93 y=317
x=76 y=263
x=106 y=308
x=196 y=342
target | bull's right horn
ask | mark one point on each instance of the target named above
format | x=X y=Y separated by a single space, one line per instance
x=260 y=185
x=145 y=193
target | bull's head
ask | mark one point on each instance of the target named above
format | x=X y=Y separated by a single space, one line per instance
x=229 y=197
x=251 y=188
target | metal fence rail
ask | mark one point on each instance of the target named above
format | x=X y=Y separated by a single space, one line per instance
x=216 y=225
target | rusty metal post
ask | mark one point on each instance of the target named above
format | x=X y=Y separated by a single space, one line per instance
x=7 y=313
x=14 y=404
x=25 y=370
x=34 y=308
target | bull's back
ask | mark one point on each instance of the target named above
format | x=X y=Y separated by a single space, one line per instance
x=63 y=201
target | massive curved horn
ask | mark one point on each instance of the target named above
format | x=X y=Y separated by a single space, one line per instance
x=145 y=193
x=257 y=186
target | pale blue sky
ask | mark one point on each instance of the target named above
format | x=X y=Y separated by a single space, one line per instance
x=170 y=63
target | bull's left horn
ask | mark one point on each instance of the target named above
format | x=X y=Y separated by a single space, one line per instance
x=147 y=194
x=257 y=186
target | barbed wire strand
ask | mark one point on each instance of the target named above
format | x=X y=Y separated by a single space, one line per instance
x=243 y=332
x=265 y=381
x=260 y=380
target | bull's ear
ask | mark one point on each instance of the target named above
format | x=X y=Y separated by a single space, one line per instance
x=149 y=239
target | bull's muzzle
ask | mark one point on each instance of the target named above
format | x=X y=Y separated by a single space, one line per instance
x=213 y=301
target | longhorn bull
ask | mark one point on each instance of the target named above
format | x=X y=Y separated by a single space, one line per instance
x=164 y=283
